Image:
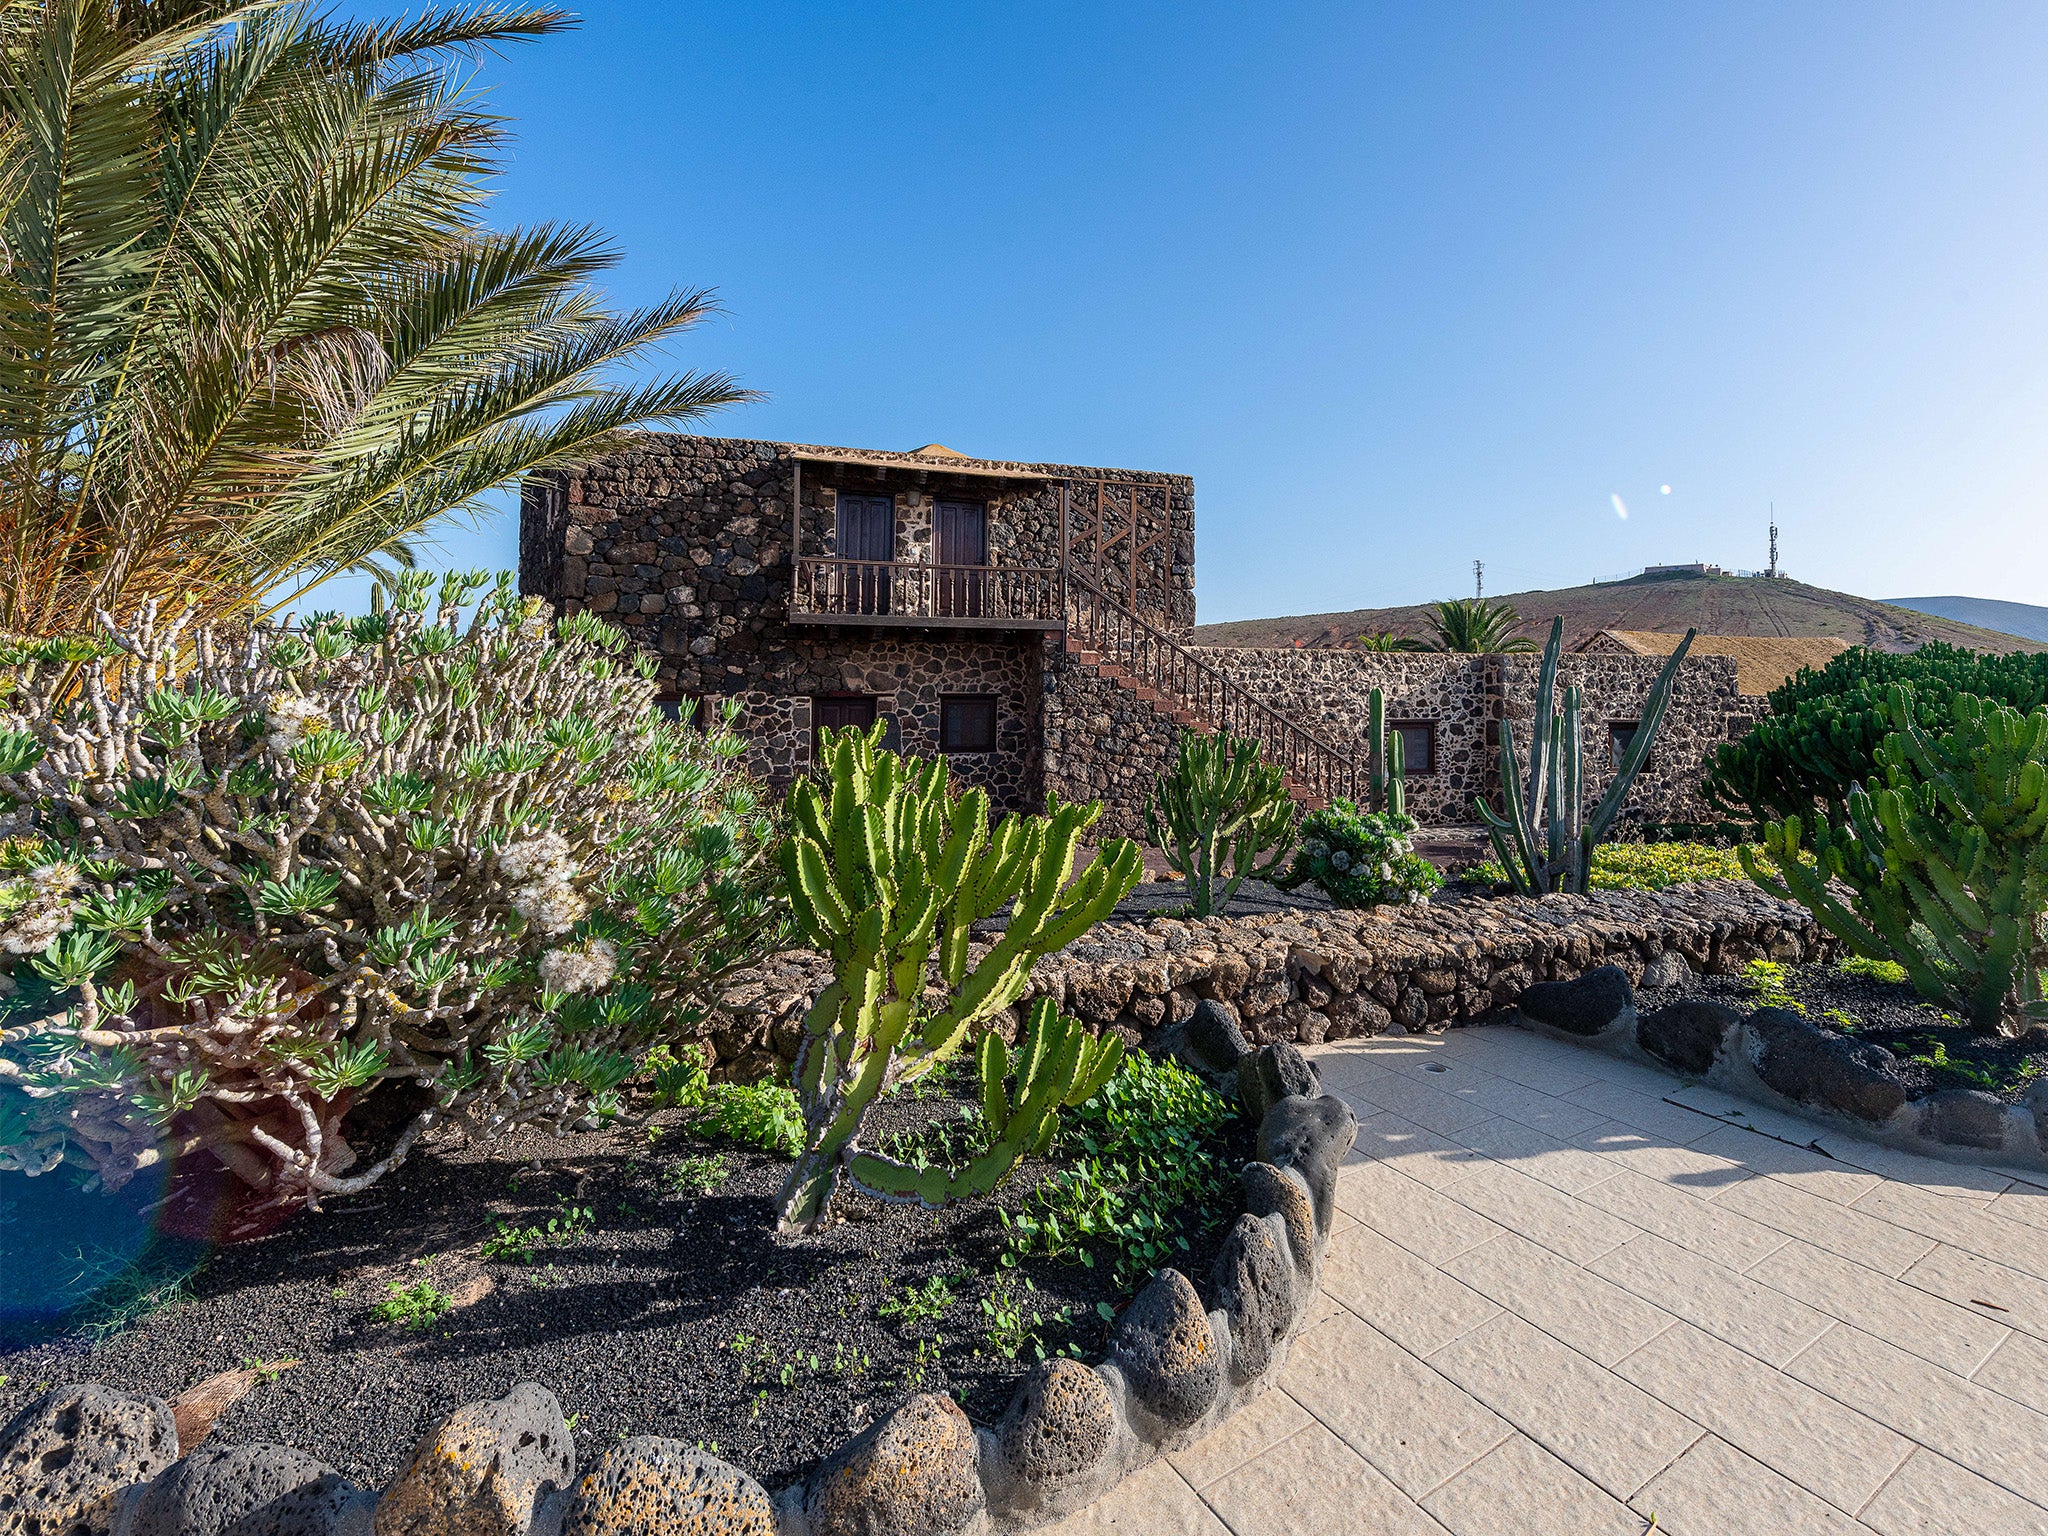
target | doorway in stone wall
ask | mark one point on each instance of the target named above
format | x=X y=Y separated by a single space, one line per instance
x=961 y=532
x=865 y=540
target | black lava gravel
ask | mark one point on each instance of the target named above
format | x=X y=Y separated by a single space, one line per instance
x=1935 y=1049
x=664 y=1313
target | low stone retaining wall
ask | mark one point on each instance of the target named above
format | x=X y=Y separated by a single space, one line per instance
x=86 y=1461
x=1310 y=976
x=1782 y=1059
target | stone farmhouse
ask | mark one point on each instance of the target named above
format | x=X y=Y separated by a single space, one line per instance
x=1031 y=622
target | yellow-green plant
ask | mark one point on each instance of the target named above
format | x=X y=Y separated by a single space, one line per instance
x=888 y=873
x=1947 y=860
x=1223 y=812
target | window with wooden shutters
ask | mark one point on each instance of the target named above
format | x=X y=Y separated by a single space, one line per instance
x=961 y=529
x=865 y=541
x=967 y=723
x=834 y=712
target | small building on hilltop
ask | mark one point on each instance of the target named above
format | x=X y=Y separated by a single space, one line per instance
x=1029 y=621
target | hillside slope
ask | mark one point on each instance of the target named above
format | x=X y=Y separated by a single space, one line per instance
x=1715 y=605
x=2027 y=620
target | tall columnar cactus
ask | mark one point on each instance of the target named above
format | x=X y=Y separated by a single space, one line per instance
x=1222 y=812
x=1545 y=842
x=1386 y=769
x=1947 y=859
x=888 y=874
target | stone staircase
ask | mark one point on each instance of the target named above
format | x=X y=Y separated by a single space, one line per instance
x=1115 y=644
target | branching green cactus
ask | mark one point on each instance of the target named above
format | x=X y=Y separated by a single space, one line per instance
x=1550 y=808
x=1224 y=812
x=1386 y=769
x=884 y=868
x=1947 y=860
x=1058 y=1065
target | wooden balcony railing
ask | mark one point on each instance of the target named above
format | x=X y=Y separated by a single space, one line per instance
x=1315 y=766
x=830 y=590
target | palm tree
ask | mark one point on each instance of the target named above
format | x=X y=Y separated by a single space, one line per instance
x=1386 y=640
x=1472 y=625
x=252 y=328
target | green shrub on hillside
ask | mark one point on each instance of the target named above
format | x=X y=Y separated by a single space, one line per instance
x=1824 y=727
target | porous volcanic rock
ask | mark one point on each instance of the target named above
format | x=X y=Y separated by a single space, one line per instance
x=1270 y=1192
x=1812 y=1065
x=1585 y=1005
x=1167 y=1352
x=1255 y=1289
x=2036 y=1102
x=914 y=1474
x=1312 y=1136
x=652 y=1486
x=1667 y=970
x=1060 y=1424
x=1964 y=1117
x=251 y=1490
x=1275 y=1072
x=1688 y=1034
x=483 y=1469
x=67 y=1457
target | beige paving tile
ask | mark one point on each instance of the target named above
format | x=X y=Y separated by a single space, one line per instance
x=1522 y=1490
x=2017 y=1300
x=1396 y=1412
x=1704 y=1226
x=2024 y=1203
x=1563 y=1225
x=1311 y=1485
x=1604 y=1428
x=1427 y=1224
x=1715 y=1490
x=1413 y=1303
x=1536 y=1153
x=1594 y=1316
x=1338 y=1066
x=1525 y=1105
x=1984 y=1430
x=1254 y=1429
x=2018 y=1368
x=1754 y=1318
x=1932 y=1496
x=1807 y=1436
x=1423 y=1155
x=1960 y=1225
x=1645 y=1111
x=1877 y=1244
x=1658 y=1157
x=1961 y=1181
x=1654 y=1081
x=1817 y=1175
x=1546 y=1065
x=1431 y=1108
x=1153 y=1501
x=1746 y=1113
x=1955 y=1338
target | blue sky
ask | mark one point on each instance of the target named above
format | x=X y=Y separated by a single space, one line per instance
x=1401 y=286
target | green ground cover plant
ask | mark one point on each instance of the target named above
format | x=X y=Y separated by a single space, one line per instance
x=411 y=1306
x=1638 y=866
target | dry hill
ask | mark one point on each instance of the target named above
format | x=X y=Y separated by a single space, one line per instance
x=1716 y=605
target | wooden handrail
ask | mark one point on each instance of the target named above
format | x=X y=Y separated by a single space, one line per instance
x=828 y=584
x=1156 y=660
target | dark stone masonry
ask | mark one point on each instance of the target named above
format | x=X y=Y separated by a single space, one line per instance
x=936 y=592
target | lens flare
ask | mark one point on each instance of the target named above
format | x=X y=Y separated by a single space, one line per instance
x=1620 y=506
x=1664 y=489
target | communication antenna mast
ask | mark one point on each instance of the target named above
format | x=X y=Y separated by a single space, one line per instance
x=1773 y=571
x=1479 y=578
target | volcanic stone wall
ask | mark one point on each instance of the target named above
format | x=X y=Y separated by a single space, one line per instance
x=1103 y=742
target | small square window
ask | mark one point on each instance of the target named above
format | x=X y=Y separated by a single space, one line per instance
x=687 y=711
x=1418 y=744
x=967 y=723
x=1620 y=733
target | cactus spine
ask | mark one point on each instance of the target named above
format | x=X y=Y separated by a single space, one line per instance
x=1545 y=842
x=1947 y=858
x=884 y=869
x=1386 y=769
x=1223 y=812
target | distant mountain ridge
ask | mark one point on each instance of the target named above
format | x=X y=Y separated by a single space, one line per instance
x=2027 y=620
x=1714 y=604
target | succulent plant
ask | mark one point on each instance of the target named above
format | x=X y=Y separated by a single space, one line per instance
x=249 y=877
x=887 y=874
x=1221 y=812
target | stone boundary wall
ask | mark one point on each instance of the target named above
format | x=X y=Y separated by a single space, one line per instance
x=1103 y=742
x=86 y=1461
x=1779 y=1058
x=1310 y=976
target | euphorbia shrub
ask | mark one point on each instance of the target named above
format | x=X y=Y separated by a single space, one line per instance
x=250 y=878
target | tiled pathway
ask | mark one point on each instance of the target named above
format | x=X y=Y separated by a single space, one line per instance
x=1558 y=1305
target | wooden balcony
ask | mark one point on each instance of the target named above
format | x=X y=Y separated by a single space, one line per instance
x=829 y=590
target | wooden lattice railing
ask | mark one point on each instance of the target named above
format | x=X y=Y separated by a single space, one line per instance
x=852 y=589
x=1316 y=768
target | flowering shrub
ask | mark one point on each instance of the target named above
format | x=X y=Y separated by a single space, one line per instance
x=1361 y=858
x=247 y=879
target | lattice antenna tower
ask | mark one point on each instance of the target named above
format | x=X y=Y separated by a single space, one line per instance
x=1773 y=568
x=1479 y=578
